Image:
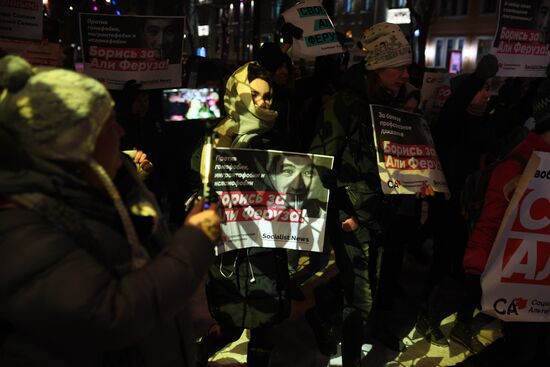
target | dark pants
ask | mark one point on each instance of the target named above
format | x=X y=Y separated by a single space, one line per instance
x=445 y=283
x=347 y=299
x=386 y=326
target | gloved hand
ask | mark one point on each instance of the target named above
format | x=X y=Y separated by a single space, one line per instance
x=487 y=67
x=290 y=31
x=208 y=221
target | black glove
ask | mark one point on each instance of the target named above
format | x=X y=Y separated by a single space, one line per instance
x=487 y=67
x=290 y=31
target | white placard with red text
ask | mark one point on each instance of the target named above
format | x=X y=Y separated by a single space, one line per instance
x=405 y=152
x=271 y=199
x=516 y=280
x=147 y=49
x=522 y=38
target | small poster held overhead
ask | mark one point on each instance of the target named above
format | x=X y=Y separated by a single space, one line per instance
x=271 y=199
x=405 y=152
x=147 y=49
x=319 y=37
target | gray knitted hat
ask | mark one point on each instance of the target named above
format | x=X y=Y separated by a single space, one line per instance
x=57 y=115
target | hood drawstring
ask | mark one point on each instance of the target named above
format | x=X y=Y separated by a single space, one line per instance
x=227 y=276
x=252 y=277
x=234 y=267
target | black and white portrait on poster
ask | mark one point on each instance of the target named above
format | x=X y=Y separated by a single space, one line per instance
x=147 y=49
x=272 y=198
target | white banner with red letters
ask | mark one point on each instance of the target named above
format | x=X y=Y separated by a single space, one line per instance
x=516 y=280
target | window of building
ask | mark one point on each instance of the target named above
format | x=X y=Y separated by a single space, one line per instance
x=368 y=5
x=349 y=6
x=484 y=45
x=489 y=6
x=442 y=48
x=395 y=4
x=450 y=8
x=276 y=9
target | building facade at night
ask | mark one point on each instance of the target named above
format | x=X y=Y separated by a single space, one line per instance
x=234 y=29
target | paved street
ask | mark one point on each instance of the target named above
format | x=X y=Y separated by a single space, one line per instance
x=295 y=342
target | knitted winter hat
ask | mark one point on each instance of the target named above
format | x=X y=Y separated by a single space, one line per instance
x=541 y=107
x=57 y=115
x=386 y=47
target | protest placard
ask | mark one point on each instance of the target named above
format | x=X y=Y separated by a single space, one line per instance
x=35 y=52
x=405 y=152
x=436 y=89
x=319 y=37
x=147 y=49
x=271 y=198
x=21 y=19
x=522 y=38
x=516 y=280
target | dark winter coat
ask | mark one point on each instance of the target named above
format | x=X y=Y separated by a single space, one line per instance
x=68 y=294
x=247 y=288
x=460 y=137
x=345 y=132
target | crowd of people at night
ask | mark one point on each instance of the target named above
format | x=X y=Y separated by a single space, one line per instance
x=100 y=257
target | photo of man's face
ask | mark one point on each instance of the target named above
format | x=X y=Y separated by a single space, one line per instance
x=542 y=20
x=160 y=34
x=294 y=176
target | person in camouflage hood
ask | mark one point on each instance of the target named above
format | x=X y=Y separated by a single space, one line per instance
x=246 y=288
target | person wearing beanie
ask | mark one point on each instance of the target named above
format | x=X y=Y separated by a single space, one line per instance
x=361 y=212
x=246 y=288
x=523 y=343
x=82 y=284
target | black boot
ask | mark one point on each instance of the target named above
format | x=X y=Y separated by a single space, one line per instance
x=325 y=333
x=352 y=339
